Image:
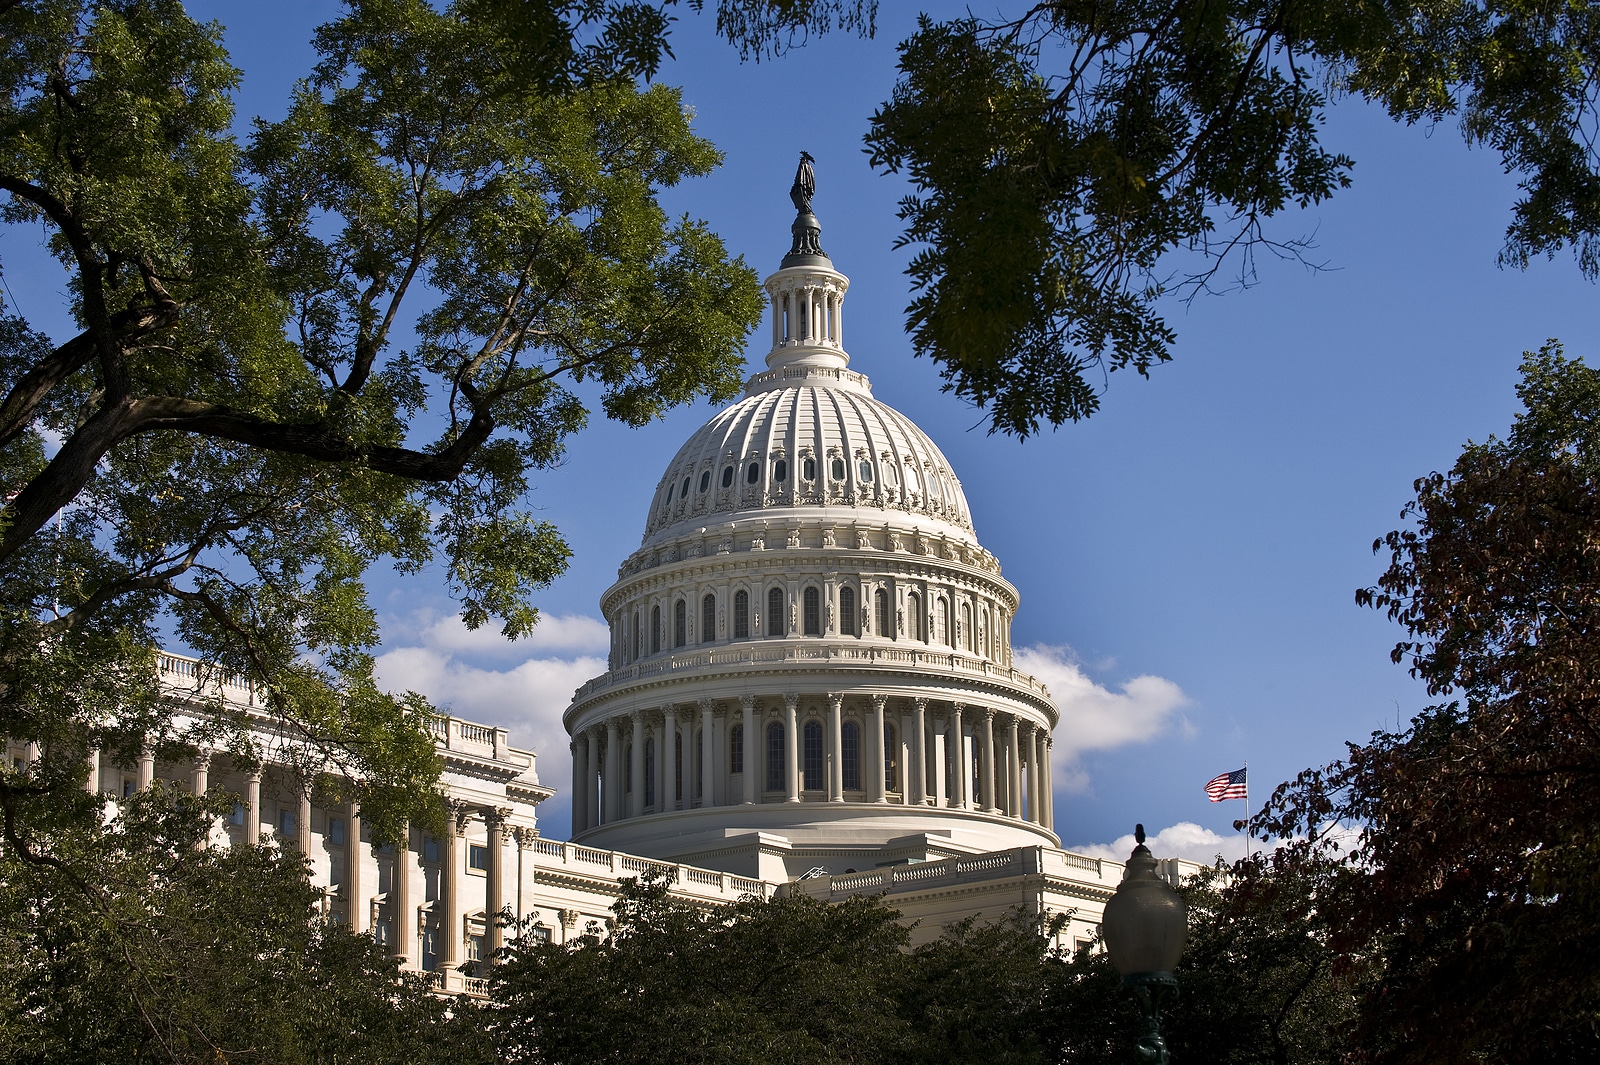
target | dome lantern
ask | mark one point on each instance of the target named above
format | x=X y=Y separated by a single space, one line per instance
x=807 y=293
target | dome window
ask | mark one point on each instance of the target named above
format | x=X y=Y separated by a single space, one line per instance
x=683 y=493
x=669 y=495
x=888 y=475
x=866 y=471
x=808 y=469
x=838 y=469
x=705 y=480
x=753 y=474
x=780 y=471
x=727 y=476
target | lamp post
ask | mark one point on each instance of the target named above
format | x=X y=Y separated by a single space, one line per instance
x=1144 y=926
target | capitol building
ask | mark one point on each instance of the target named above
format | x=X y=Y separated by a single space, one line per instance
x=809 y=689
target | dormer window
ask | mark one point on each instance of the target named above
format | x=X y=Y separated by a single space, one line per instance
x=780 y=471
x=753 y=474
x=683 y=493
x=727 y=477
x=838 y=469
x=865 y=470
x=705 y=480
x=808 y=469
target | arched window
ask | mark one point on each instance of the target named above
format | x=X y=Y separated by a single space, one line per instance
x=880 y=600
x=683 y=493
x=677 y=764
x=847 y=611
x=813 y=611
x=941 y=621
x=983 y=634
x=638 y=636
x=680 y=623
x=891 y=759
x=650 y=771
x=708 y=619
x=965 y=635
x=775 y=612
x=812 y=751
x=741 y=615
x=775 y=757
x=655 y=629
x=736 y=750
x=914 y=616
x=850 y=755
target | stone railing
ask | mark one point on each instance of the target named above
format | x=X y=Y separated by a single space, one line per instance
x=760 y=653
x=686 y=881
x=451 y=982
x=997 y=865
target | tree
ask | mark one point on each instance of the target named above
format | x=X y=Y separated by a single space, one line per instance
x=177 y=952
x=1077 y=163
x=1470 y=896
x=351 y=340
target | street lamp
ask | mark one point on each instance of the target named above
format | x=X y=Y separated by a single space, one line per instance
x=1144 y=926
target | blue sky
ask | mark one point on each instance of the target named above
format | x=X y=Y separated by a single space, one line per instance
x=1188 y=557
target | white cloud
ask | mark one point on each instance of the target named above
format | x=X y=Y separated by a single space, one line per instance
x=1095 y=718
x=525 y=697
x=1182 y=840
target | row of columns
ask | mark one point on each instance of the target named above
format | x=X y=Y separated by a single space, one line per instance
x=398 y=901
x=940 y=755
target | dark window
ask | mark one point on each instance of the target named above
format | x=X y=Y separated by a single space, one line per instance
x=838 y=469
x=677 y=764
x=683 y=493
x=780 y=471
x=705 y=480
x=813 y=612
x=808 y=469
x=680 y=623
x=727 y=476
x=655 y=629
x=775 y=612
x=699 y=761
x=627 y=768
x=914 y=617
x=477 y=857
x=650 y=771
x=775 y=757
x=753 y=474
x=736 y=750
x=850 y=756
x=880 y=600
x=638 y=636
x=847 y=611
x=741 y=615
x=669 y=495
x=891 y=758
x=865 y=469
x=812 y=750
x=708 y=619
x=336 y=831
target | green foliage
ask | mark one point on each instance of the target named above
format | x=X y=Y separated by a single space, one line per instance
x=1078 y=163
x=351 y=341
x=181 y=953
x=1471 y=896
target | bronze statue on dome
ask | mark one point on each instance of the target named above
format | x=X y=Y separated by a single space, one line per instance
x=805 y=184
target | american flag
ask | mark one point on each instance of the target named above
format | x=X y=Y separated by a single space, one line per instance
x=1228 y=786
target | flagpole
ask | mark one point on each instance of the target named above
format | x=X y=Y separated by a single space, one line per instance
x=1247 y=853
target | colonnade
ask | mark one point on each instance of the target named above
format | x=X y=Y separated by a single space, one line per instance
x=918 y=752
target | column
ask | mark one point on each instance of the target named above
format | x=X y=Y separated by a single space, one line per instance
x=754 y=766
x=302 y=828
x=613 y=775
x=916 y=782
x=941 y=762
x=1049 y=787
x=960 y=775
x=636 y=763
x=353 y=853
x=147 y=768
x=200 y=775
x=1030 y=770
x=580 y=792
x=1014 y=767
x=399 y=898
x=791 y=744
x=494 y=889
x=252 y=807
x=986 y=753
x=92 y=785
x=877 y=785
x=708 y=753
x=835 y=760
x=669 y=760
x=591 y=783
x=449 y=905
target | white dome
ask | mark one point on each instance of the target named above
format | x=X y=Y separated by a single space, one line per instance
x=807 y=441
